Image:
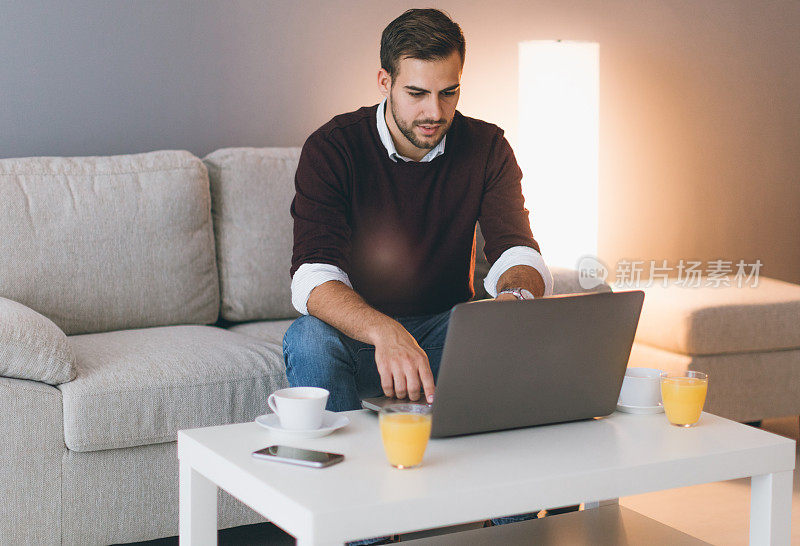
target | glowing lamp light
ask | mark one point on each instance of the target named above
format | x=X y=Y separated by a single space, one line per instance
x=558 y=146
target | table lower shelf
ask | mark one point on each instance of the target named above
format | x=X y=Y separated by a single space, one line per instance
x=608 y=525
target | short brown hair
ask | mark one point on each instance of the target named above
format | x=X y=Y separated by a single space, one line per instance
x=425 y=34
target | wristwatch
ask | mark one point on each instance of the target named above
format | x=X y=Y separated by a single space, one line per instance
x=519 y=293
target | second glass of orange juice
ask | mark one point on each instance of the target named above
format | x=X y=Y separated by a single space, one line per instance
x=683 y=395
x=405 y=429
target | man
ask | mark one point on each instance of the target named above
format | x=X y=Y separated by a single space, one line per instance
x=385 y=212
x=384 y=224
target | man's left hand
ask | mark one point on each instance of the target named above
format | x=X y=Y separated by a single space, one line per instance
x=521 y=276
x=506 y=297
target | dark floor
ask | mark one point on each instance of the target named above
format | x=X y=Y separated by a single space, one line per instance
x=247 y=535
x=267 y=533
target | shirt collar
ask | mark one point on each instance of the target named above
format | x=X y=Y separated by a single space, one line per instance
x=388 y=143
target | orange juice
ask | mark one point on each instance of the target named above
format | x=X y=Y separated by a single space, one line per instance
x=405 y=436
x=683 y=398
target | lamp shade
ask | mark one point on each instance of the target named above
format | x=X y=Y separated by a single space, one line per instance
x=558 y=146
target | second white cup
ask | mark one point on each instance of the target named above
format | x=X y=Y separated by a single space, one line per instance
x=641 y=387
x=299 y=408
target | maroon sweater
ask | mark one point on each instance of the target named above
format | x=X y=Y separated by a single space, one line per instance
x=404 y=232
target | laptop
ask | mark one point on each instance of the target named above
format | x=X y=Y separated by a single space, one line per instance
x=513 y=364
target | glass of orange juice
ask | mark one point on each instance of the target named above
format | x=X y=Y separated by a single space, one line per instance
x=683 y=395
x=405 y=429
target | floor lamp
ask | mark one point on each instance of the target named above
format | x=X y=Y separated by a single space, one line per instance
x=558 y=146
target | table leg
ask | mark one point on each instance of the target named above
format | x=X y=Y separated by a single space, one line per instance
x=197 y=507
x=770 y=508
x=598 y=504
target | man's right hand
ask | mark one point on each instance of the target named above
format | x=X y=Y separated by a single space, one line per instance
x=402 y=364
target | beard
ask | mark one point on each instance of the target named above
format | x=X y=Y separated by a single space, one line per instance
x=408 y=130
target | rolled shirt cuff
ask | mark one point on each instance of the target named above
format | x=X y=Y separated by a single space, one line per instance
x=518 y=255
x=308 y=277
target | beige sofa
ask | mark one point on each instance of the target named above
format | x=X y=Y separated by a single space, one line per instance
x=139 y=295
x=745 y=337
x=119 y=254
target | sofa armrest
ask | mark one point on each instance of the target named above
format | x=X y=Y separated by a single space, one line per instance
x=31 y=450
x=32 y=346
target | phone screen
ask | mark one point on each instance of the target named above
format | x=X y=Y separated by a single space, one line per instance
x=296 y=455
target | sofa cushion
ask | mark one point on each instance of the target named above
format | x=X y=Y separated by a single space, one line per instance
x=268 y=330
x=567 y=281
x=742 y=386
x=32 y=347
x=252 y=190
x=710 y=320
x=106 y=243
x=137 y=387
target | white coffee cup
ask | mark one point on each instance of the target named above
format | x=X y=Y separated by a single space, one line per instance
x=641 y=387
x=299 y=408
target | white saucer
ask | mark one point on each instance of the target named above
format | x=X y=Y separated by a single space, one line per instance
x=330 y=421
x=640 y=410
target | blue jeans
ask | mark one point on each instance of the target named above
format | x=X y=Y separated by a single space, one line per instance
x=318 y=355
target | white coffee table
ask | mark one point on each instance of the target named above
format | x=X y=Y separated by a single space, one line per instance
x=476 y=477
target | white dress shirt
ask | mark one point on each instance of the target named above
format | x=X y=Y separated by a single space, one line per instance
x=310 y=275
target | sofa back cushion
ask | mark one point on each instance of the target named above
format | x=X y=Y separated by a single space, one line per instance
x=106 y=243
x=251 y=192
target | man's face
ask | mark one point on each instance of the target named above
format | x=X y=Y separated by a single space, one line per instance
x=423 y=99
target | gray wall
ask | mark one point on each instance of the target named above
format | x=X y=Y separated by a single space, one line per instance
x=113 y=77
x=700 y=117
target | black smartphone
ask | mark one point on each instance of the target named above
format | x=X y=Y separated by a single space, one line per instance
x=296 y=455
